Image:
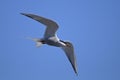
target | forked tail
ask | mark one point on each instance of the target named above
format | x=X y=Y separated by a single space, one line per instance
x=37 y=40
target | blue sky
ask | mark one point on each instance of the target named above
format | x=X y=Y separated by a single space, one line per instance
x=93 y=26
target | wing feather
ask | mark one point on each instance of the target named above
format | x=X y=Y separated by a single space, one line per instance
x=69 y=50
x=51 y=25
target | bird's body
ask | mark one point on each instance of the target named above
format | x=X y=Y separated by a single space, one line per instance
x=50 y=38
x=54 y=41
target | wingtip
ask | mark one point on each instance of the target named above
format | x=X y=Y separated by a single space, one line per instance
x=76 y=74
x=23 y=13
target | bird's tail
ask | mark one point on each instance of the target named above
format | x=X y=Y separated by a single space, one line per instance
x=38 y=41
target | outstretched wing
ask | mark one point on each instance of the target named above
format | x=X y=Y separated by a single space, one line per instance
x=69 y=50
x=51 y=25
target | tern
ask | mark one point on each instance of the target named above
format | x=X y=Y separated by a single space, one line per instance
x=50 y=38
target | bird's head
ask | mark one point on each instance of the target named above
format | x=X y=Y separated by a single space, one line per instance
x=67 y=43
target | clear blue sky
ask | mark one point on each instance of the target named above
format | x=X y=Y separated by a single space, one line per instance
x=93 y=26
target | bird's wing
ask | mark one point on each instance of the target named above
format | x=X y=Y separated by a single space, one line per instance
x=51 y=25
x=69 y=50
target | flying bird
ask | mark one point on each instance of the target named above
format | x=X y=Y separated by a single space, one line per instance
x=50 y=38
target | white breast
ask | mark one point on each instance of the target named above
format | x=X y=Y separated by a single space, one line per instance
x=54 y=38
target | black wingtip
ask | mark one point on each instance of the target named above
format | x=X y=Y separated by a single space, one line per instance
x=23 y=13
x=76 y=73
